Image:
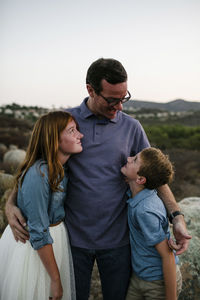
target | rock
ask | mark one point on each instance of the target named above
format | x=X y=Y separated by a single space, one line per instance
x=3 y=150
x=14 y=158
x=6 y=182
x=190 y=260
x=12 y=147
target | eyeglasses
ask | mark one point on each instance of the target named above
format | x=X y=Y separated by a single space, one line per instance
x=115 y=101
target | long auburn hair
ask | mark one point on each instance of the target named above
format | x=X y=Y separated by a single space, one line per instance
x=43 y=145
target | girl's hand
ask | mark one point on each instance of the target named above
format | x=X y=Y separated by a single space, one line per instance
x=56 y=290
x=48 y=259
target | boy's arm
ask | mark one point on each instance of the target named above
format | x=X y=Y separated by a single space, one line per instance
x=15 y=218
x=169 y=269
x=179 y=227
x=48 y=259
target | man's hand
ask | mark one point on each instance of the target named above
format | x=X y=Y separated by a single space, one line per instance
x=16 y=220
x=181 y=235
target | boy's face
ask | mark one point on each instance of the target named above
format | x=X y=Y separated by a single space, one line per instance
x=132 y=167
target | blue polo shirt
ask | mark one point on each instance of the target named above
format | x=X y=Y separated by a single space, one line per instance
x=148 y=224
x=96 y=210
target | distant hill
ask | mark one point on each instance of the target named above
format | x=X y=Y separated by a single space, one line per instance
x=176 y=105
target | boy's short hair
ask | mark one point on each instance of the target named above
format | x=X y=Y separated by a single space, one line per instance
x=155 y=167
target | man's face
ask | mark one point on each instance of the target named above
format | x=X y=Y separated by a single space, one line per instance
x=109 y=91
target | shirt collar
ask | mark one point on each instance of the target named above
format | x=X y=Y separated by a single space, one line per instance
x=139 y=196
x=86 y=113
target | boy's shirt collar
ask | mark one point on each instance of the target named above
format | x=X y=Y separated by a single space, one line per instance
x=134 y=201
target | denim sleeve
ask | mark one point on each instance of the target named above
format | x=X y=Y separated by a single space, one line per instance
x=151 y=225
x=36 y=195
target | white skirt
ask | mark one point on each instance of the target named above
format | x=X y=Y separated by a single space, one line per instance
x=22 y=274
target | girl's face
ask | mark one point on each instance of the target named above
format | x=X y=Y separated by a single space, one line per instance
x=132 y=167
x=70 y=140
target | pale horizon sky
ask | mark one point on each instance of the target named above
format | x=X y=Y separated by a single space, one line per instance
x=46 y=47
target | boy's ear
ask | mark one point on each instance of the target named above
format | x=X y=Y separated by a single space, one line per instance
x=141 y=180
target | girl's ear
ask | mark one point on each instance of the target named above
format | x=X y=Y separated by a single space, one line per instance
x=90 y=90
x=141 y=180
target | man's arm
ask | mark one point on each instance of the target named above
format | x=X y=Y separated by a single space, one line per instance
x=169 y=269
x=15 y=218
x=179 y=227
x=166 y=195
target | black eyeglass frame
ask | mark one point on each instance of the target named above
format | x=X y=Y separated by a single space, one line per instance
x=115 y=101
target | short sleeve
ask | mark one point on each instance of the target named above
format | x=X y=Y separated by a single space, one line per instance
x=140 y=141
x=150 y=224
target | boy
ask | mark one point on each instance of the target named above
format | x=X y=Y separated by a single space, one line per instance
x=154 y=264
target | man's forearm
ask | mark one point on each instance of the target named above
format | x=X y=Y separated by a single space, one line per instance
x=179 y=226
x=12 y=197
x=15 y=218
x=11 y=200
x=168 y=199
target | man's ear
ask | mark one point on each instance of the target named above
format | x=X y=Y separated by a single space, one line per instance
x=141 y=180
x=90 y=90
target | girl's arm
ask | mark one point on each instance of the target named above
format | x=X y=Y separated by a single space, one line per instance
x=36 y=197
x=169 y=269
x=47 y=257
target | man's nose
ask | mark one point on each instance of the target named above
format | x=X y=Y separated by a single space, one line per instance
x=119 y=106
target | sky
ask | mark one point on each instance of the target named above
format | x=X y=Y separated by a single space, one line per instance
x=46 y=47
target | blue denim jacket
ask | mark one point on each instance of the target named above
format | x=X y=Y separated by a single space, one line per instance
x=39 y=205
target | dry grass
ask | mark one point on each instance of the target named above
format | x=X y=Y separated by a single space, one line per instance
x=187 y=173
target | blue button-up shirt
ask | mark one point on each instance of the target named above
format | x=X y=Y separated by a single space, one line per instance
x=148 y=224
x=39 y=205
x=96 y=211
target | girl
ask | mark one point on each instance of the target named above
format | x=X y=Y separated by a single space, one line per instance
x=42 y=268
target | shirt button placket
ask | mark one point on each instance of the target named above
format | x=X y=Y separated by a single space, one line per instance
x=97 y=133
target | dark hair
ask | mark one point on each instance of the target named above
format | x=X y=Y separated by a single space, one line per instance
x=155 y=167
x=105 y=68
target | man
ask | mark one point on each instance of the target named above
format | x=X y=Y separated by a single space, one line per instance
x=96 y=214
